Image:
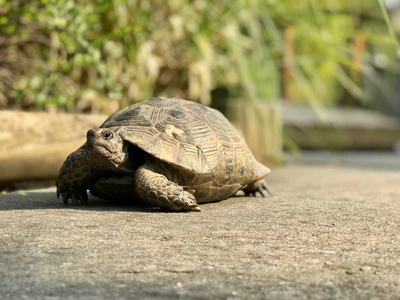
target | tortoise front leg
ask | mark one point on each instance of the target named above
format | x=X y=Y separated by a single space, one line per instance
x=156 y=190
x=75 y=177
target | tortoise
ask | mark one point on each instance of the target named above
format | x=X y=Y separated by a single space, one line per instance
x=170 y=153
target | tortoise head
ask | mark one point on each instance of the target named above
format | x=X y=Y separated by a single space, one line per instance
x=106 y=148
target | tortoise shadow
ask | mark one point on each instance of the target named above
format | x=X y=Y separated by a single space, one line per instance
x=47 y=199
x=37 y=200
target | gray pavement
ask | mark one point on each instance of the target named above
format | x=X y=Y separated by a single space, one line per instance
x=376 y=160
x=327 y=233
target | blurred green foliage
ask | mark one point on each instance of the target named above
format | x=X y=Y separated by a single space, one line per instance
x=101 y=55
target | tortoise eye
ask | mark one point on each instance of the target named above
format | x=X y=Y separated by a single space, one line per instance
x=107 y=135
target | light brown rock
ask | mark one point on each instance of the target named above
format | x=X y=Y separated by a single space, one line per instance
x=34 y=145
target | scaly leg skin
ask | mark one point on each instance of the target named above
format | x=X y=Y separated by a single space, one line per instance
x=257 y=187
x=75 y=177
x=156 y=190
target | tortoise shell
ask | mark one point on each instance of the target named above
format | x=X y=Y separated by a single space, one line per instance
x=196 y=140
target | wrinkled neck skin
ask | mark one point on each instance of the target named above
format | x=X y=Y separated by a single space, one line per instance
x=107 y=151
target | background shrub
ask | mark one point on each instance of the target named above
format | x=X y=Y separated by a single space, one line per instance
x=95 y=55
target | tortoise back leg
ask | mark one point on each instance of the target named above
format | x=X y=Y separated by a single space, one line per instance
x=259 y=186
x=75 y=177
x=155 y=189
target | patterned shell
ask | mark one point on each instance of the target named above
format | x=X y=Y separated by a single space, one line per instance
x=197 y=140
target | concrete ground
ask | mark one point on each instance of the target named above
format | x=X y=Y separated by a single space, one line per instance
x=327 y=233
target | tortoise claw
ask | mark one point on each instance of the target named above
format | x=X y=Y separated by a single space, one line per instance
x=195 y=208
x=65 y=196
x=75 y=198
x=191 y=205
x=259 y=189
x=265 y=189
x=84 y=197
x=250 y=193
x=74 y=195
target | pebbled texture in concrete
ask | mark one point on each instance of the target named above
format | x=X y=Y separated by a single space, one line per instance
x=328 y=233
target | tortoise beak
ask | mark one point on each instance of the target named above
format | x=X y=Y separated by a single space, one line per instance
x=91 y=135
